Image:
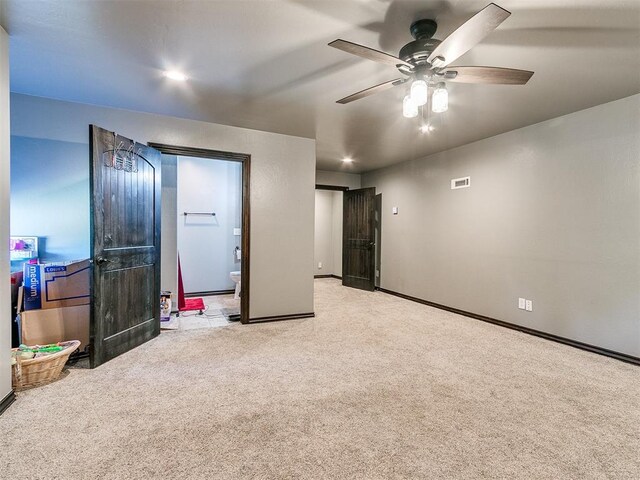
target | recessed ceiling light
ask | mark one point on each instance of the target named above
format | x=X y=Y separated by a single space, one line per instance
x=347 y=160
x=175 y=75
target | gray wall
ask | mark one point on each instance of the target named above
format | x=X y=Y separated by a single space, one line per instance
x=206 y=244
x=5 y=299
x=552 y=215
x=323 y=250
x=50 y=196
x=328 y=237
x=341 y=179
x=282 y=185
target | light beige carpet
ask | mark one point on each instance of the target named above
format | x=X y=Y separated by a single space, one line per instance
x=374 y=387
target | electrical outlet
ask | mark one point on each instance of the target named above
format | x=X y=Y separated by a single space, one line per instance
x=319 y=264
x=522 y=304
x=529 y=306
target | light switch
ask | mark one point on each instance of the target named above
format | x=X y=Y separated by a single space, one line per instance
x=522 y=304
x=395 y=210
x=236 y=231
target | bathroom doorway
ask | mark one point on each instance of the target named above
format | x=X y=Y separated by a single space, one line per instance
x=205 y=236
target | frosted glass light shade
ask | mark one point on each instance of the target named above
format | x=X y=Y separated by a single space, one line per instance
x=175 y=75
x=409 y=108
x=440 y=99
x=419 y=92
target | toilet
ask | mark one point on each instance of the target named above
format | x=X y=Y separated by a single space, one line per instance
x=235 y=276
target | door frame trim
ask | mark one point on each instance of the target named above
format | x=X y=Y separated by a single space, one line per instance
x=245 y=159
x=331 y=187
x=7 y=401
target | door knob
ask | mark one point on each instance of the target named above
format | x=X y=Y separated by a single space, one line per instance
x=102 y=260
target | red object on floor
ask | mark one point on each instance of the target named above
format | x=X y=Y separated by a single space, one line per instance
x=186 y=304
x=181 y=302
x=192 y=304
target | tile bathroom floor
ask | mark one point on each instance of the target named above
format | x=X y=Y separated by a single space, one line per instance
x=211 y=318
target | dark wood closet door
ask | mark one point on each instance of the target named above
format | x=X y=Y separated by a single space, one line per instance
x=358 y=249
x=125 y=243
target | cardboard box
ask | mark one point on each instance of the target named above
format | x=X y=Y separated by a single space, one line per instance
x=52 y=325
x=55 y=285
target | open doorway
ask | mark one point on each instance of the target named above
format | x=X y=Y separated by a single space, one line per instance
x=328 y=231
x=205 y=242
x=348 y=235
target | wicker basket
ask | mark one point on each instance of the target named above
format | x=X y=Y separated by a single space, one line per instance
x=34 y=372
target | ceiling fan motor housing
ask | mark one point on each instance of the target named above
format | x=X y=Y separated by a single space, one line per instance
x=418 y=51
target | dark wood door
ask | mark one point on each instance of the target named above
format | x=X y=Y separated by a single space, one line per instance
x=358 y=248
x=125 y=243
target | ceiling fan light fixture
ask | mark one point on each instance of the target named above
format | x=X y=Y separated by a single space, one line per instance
x=409 y=108
x=175 y=75
x=440 y=98
x=419 y=92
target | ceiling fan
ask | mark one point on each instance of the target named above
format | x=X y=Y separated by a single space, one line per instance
x=426 y=61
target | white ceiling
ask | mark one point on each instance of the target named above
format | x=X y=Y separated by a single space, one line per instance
x=266 y=65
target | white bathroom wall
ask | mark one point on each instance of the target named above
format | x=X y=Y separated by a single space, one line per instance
x=169 y=222
x=206 y=244
x=5 y=299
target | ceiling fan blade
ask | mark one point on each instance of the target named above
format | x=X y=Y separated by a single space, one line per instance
x=468 y=35
x=368 y=53
x=490 y=75
x=370 y=91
